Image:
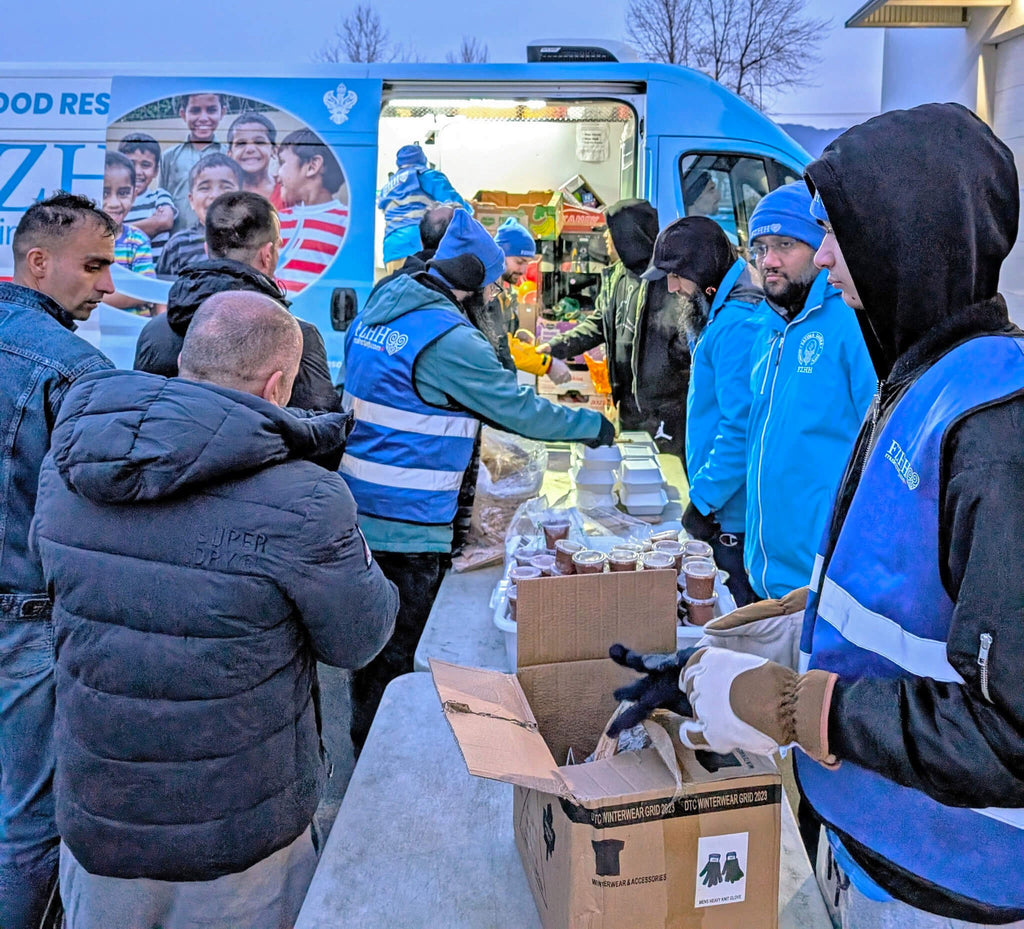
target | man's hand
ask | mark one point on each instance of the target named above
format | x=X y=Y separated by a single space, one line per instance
x=559 y=371
x=606 y=435
x=767 y=628
x=698 y=525
x=658 y=689
x=747 y=702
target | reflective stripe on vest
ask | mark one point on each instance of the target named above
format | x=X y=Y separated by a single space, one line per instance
x=881 y=611
x=405 y=459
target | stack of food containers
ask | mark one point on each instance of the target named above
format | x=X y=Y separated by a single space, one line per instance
x=594 y=472
x=642 y=485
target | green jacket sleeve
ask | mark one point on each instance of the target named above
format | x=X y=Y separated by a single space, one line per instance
x=461 y=367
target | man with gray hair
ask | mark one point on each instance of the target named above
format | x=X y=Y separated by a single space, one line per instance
x=189 y=758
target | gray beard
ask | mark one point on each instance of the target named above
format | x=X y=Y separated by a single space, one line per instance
x=694 y=311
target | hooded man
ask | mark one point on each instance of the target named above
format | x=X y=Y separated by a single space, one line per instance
x=404 y=199
x=638 y=322
x=909 y=720
x=243 y=238
x=812 y=382
x=420 y=380
x=722 y=315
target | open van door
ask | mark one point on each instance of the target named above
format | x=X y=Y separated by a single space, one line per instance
x=719 y=178
x=308 y=144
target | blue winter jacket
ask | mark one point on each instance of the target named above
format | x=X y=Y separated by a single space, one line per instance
x=812 y=382
x=404 y=199
x=40 y=357
x=200 y=566
x=718 y=401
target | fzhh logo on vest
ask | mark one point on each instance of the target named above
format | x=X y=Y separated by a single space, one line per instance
x=811 y=347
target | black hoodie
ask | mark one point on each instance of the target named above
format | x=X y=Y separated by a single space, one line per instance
x=161 y=339
x=924 y=204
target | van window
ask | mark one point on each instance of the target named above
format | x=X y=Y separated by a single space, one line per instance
x=724 y=187
x=783 y=174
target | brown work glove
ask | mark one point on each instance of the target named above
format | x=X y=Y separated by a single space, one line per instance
x=768 y=628
x=744 y=701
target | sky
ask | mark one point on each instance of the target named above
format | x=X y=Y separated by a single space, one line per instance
x=846 y=89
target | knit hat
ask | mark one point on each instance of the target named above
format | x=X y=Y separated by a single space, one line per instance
x=514 y=240
x=693 y=247
x=465 y=236
x=787 y=211
x=409 y=155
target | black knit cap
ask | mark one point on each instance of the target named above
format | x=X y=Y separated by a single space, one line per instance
x=693 y=247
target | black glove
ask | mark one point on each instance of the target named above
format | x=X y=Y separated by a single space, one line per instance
x=700 y=526
x=605 y=437
x=659 y=688
x=712 y=872
x=732 y=872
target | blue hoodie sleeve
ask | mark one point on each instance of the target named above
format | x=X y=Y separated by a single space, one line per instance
x=437 y=186
x=725 y=470
x=461 y=366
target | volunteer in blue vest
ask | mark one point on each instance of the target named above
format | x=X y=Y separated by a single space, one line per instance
x=408 y=194
x=910 y=719
x=420 y=380
x=812 y=381
x=721 y=310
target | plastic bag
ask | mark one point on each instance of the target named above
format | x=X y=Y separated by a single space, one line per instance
x=512 y=471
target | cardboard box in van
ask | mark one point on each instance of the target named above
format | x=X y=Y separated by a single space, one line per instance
x=541 y=211
x=649 y=839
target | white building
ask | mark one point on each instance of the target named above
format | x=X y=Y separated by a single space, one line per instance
x=969 y=52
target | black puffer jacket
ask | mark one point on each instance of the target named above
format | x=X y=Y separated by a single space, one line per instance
x=160 y=340
x=925 y=258
x=200 y=568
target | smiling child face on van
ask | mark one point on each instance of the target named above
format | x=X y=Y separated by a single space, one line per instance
x=208 y=185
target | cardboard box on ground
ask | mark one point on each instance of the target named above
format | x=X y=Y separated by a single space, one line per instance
x=655 y=838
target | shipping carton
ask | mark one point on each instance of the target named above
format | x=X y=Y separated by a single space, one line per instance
x=663 y=837
x=541 y=211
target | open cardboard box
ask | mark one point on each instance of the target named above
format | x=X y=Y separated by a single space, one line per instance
x=641 y=839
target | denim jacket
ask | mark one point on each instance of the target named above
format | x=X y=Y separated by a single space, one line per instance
x=40 y=357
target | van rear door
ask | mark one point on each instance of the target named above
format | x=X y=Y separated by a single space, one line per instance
x=309 y=144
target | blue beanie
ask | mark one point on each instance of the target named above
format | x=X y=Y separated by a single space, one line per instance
x=409 y=155
x=515 y=240
x=465 y=236
x=787 y=211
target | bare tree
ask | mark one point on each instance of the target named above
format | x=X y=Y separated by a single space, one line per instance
x=661 y=29
x=361 y=37
x=756 y=48
x=472 y=51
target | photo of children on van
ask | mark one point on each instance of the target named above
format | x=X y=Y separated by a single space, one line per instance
x=184 y=151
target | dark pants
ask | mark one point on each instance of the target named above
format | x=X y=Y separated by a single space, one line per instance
x=728 y=549
x=417 y=576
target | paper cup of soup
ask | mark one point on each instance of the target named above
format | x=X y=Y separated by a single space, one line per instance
x=518 y=574
x=545 y=563
x=589 y=562
x=513 y=598
x=657 y=561
x=700 y=611
x=564 y=550
x=554 y=530
x=675 y=549
x=696 y=547
x=622 y=559
x=700 y=579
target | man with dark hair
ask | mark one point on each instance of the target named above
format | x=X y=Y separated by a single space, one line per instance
x=63 y=249
x=201 y=564
x=243 y=240
x=721 y=315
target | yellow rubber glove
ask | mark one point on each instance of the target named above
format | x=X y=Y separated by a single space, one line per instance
x=527 y=358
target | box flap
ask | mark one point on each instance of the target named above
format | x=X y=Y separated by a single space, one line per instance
x=577 y=618
x=494 y=727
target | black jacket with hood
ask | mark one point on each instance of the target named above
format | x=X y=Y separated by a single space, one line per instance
x=160 y=341
x=924 y=204
x=640 y=326
x=201 y=564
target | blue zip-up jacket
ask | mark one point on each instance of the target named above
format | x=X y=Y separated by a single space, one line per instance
x=460 y=371
x=41 y=357
x=812 y=381
x=404 y=199
x=718 y=402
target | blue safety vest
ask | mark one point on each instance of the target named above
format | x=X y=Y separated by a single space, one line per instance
x=881 y=611
x=405 y=459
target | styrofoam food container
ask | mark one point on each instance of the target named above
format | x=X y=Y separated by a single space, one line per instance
x=632 y=452
x=608 y=455
x=636 y=437
x=640 y=471
x=596 y=480
x=643 y=503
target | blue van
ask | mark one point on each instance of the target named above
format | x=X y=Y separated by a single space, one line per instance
x=611 y=129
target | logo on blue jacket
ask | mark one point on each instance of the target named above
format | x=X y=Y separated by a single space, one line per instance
x=375 y=337
x=811 y=347
x=901 y=463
